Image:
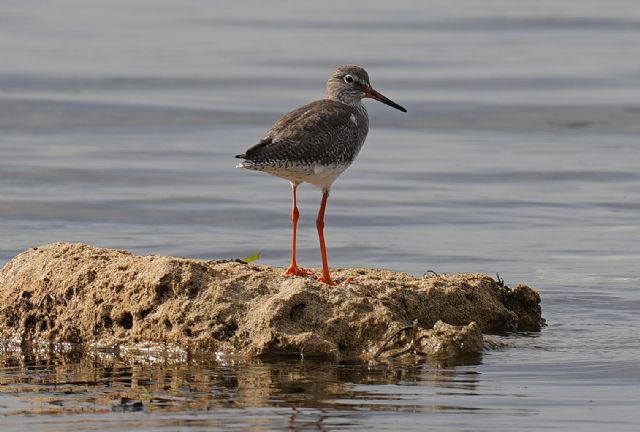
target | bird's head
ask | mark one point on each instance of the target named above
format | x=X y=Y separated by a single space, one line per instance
x=350 y=83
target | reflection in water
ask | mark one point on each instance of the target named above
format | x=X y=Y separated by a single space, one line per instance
x=99 y=383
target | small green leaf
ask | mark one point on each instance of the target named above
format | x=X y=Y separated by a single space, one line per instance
x=148 y=394
x=252 y=258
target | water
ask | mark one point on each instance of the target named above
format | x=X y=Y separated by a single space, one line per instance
x=519 y=155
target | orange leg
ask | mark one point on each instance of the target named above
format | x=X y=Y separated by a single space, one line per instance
x=293 y=269
x=326 y=277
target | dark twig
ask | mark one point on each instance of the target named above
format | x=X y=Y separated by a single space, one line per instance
x=384 y=345
x=505 y=290
x=500 y=281
x=413 y=326
x=222 y=261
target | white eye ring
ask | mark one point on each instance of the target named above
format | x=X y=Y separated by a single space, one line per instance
x=348 y=79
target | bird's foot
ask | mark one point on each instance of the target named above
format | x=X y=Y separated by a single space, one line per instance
x=294 y=270
x=327 y=280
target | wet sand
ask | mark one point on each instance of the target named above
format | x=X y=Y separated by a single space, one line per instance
x=74 y=293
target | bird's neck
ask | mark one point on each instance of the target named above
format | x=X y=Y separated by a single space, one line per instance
x=355 y=102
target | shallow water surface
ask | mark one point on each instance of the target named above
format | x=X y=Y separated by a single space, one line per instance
x=519 y=155
x=302 y=395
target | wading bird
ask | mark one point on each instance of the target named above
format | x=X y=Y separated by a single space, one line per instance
x=316 y=143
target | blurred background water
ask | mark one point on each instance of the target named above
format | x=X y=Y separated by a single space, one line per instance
x=119 y=121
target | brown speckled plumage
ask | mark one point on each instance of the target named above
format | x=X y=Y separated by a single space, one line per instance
x=327 y=133
x=324 y=132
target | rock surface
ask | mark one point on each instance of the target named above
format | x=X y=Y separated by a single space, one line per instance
x=76 y=293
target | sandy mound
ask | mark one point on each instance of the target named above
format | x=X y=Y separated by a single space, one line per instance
x=77 y=293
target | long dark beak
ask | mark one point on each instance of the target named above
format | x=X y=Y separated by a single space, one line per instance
x=371 y=93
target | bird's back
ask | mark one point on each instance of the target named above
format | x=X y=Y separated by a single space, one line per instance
x=324 y=132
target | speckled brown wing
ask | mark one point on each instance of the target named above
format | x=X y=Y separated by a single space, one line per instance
x=325 y=132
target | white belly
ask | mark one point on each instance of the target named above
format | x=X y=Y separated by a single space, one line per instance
x=323 y=176
x=318 y=175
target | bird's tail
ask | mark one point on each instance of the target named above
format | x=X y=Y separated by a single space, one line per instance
x=247 y=164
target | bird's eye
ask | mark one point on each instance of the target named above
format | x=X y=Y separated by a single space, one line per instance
x=348 y=79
